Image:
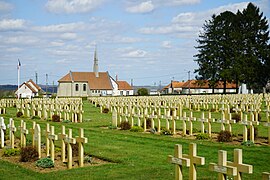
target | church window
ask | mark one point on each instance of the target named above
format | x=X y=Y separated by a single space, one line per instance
x=84 y=87
x=76 y=87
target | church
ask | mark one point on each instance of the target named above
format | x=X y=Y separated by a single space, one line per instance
x=84 y=84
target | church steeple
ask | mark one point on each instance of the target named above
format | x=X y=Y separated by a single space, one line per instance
x=95 y=67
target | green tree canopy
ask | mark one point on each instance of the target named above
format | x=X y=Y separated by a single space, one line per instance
x=234 y=48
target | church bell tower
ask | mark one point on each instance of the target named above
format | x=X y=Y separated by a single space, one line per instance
x=95 y=67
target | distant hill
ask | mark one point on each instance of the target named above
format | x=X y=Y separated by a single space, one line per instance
x=8 y=87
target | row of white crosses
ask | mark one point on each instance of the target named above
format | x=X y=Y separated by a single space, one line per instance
x=242 y=104
x=223 y=167
x=51 y=137
x=66 y=108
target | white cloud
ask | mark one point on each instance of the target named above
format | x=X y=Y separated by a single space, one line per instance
x=68 y=36
x=132 y=53
x=4 y=6
x=177 y=2
x=14 y=49
x=189 y=24
x=12 y=24
x=170 y=29
x=72 y=6
x=68 y=27
x=19 y=40
x=166 y=44
x=57 y=43
x=144 y=7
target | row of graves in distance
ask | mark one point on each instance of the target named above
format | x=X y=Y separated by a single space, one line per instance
x=176 y=110
x=66 y=108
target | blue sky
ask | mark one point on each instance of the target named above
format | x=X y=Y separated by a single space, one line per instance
x=149 y=41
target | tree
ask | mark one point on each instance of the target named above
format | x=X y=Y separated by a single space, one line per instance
x=233 y=48
x=142 y=92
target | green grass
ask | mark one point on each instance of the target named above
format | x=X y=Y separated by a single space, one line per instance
x=135 y=155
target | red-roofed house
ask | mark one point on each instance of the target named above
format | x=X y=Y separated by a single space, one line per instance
x=175 y=87
x=202 y=86
x=124 y=88
x=28 y=89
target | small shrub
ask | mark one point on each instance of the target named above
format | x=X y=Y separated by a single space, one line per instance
x=165 y=132
x=202 y=136
x=247 y=143
x=195 y=130
x=148 y=123
x=136 y=129
x=55 y=118
x=125 y=125
x=112 y=127
x=259 y=117
x=45 y=163
x=35 y=117
x=153 y=131
x=88 y=159
x=105 y=110
x=11 y=152
x=19 y=114
x=75 y=150
x=57 y=149
x=255 y=133
x=224 y=136
x=66 y=121
x=236 y=117
x=28 y=154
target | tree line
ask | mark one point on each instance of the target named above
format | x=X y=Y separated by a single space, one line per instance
x=234 y=47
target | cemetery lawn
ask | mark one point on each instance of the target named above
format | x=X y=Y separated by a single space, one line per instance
x=135 y=155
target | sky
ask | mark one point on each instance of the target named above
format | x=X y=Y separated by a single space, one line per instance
x=149 y=41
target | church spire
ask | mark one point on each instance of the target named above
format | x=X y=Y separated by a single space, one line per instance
x=95 y=67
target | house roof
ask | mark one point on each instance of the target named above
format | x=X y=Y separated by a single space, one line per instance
x=102 y=82
x=174 y=84
x=34 y=84
x=123 y=85
x=30 y=84
x=204 y=84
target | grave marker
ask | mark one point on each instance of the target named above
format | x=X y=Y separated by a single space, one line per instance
x=32 y=130
x=194 y=160
x=24 y=131
x=2 y=128
x=38 y=140
x=69 y=140
x=222 y=168
x=12 y=130
x=179 y=161
x=265 y=176
x=238 y=163
x=47 y=133
x=81 y=140
x=52 y=137
x=61 y=137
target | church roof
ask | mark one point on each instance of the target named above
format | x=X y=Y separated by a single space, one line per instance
x=102 y=82
x=123 y=85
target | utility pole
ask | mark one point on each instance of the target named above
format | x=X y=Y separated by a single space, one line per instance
x=188 y=82
x=53 y=87
x=36 y=78
x=131 y=82
x=46 y=84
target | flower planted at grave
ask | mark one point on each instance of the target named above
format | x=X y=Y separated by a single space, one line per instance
x=45 y=163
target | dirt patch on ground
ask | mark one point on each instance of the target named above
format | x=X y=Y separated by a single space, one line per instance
x=58 y=164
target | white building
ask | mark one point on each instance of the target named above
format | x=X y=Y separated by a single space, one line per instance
x=84 y=84
x=28 y=89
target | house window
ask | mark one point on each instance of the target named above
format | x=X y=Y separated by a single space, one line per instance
x=127 y=93
x=76 y=87
x=121 y=93
x=84 y=87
